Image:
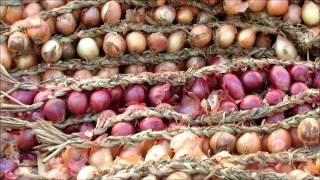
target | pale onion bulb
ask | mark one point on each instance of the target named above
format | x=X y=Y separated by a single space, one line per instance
x=88 y=49
x=150 y=177
x=310 y=13
x=176 y=41
x=101 y=158
x=285 y=49
x=158 y=152
x=247 y=37
x=87 y=173
x=190 y=152
x=232 y=7
x=225 y=35
x=184 y=139
x=51 y=51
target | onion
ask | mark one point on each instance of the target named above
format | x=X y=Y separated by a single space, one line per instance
x=101 y=158
x=152 y=123
x=36 y=115
x=190 y=105
x=317 y=162
x=160 y=94
x=14 y=13
x=88 y=49
x=111 y=12
x=184 y=15
x=157 y=42
x=166 y=67
x=296 y=142
x=135 y=94
x=135 y=69
x=18 y=43
x=135 y=15
x=87 y=126
x=150 y=177
x=275 y=118
x=274 y=96
x=176 y=41
x=309 y=167
x=164 y=15
x=284 y=168
x=31 y=9
x=52 y=74
x=23 y=96
x=87 y=173
x=297 y=88
x=225 y=35
x=277 y=7
x=279 y=141
x=309 y=131
x=26 y=61
x=7 y=165
x=91 y=16
x=263 y=40
x=210 y=2
x=185 y=140
x=256 y=6
x=99 y=40
x=301 y=108
x=248 y=143
x=108 y=71
x=234 y=6
x=178 y=175
x=77 y=103
x=3 y=12
x=114 y=45
x=38 y=30
x=253 y=81
x=68 y=50
x=310 y=13
x=26 y=140
x=5 y=59
x=200 y=36
x=317 y=80
x=158 y=152
x=66 y=24
x=200 y=88
x=58 y=173
x=280 y=78
x=195 y=62
x=82 y=74
x=55 y=110
x=293 y=15
x=250 y=102
x=203 y=17
x=298 y=174
x=50 y=4
x=284 y=48
x=190 y=153
x=123 y=129
x=129 y=155
x=300 y=72
x=117 y=93
x=232 y=85
x=136 y=42
x=222 y=141
x=228 y=106
x=247 y=37
x=100 y=100
x=51 y=51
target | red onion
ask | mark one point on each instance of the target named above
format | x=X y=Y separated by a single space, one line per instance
x=36 y=115
x=297 y=88
x=228 y=106
x=274 y=96
x=87 y=126
x=317 y=80
x=55 y=110
x=26 y=140
x=72 y=129
x=152 y=123
x=233 y=86
x=218 y=59
x=123 y=129
x=253 y=81
x=280 y=78
x=116 y=93
x=301 y=108
x=77 y=103
x=300 y=73
x=160 y=94
x=42 y=95
x=100 y=100
x=212 y=81
x=135 y=94
x=190 y=105
x=7 y=165
x=250 y=102
x=275 y=118
x=200 y=88
x=23 y=96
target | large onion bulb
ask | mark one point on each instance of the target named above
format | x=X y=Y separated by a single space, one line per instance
x=285 y=49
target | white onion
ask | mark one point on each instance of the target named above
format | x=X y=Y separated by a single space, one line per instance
x=285 y=49
x=88 y=49
x=176 y=41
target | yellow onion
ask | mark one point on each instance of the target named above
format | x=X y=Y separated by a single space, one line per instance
x=159 y=152
x=247 y=37
x=285 y=49
x=101 y=158
x=111 y=12
x=3 y=12
x=185 y=140
x=309 y=131
x=225 y=35
x=232 y=7
x=136 y=42
x=26 y=61
x=176 y=41
x=317 y=163
x=178 y=175
x=66 y=24
x=248 y=143
x=293 y=15
x=129 y=155
x=51 y=51
x=185 y=15
x=203 y=17
x=87 y=173
x=31 y=9
x=99 y=40
x=187 y=152
x=52 y=24
x=5 y=59
x=310 y=13
x=38 y=30
x=164 y=15
x=277 y=7
x=13 y=14
x=91 y=16
x=256 y=5
x=18 y=43
x=114 y=45
x=279 y=140
x=222 y=141
x=200 y=36
x=88 y=49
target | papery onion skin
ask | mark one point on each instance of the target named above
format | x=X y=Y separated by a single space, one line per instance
x=296 y=142
x=200 y=88
x=50 y=4
x=26 y=140
x=300 y=73
x=82 y=74
x=285 y=49
x=317 y=80
x=274 y=96
x=51 y=74
x=114 y=45
x=279 y=140
x=165 y=15
x=253 y=81
x=228 y=106
x=310 y=13
x=234 y=7
x=256 y=5
x=263 y=40
x=195 y=62
x=178 y=175
x=160 y=94
x=39 y=30
x=91 y=16
x=184 y=15
x=306 y=107
x=247 y=37
x=14 y=13
x=136 y=42
x=55 y=110
x=166 y=67
x=77 y=103
x=68 y=50
x=135 y=69
x=87 y=173
x=66 y=24
x=233 y=86
x=108 y=71
x=18 y=43
x=23 y=96
x=176 y=41
x=297 y=88
x=277 y=7
x=42 y=96
x=157 y=42
x=275 y=118
x=123 y=129
x=26 y=61
x=3 y=12
x=248 y=143
x=88 y=49
x=100 y=100
x=309 y=167
x=309 y=131
x=51 y=51
x=111 y=12
x=5 y=59
x=200 y=36
x=225 y=35
x=31 y=9
x=135 y=94
x=280 y=78
x=153 y=123
x=293 y=15
x=222 y=141
x=190 y=105
x=135 y=15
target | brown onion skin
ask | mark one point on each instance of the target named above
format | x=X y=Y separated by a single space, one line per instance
x=200 y=88
x=14 y=13
x=50 y=4
x=309 y=131
x=23 y=96
x=5 y=59
x=135 y=94
x=200 y=36
x=277 y=7
x=263 y=40
x=52 y=24
x=160 y=94
x=135 y=15
x=66 y=24
x=256 y=6
x=68 y=50
x=250 y=102
x=111 y=12
x=91 y=16
x=309 y=167
x=176 y=41
x=18 y=43
x=114 y=45
x=274 y=96
x=296 y=142
x=164 y=15
x=297 y=88
x=157 y=42
x=77 y=103
x=31 y=9
x=279 y=140
x=123 y=129
x=232 y=85
x=26 y=140
x=100 y=100
x=184 y=15
x=88 y=49
x=248 y=143
x=51 y=51
x=275 y=118
x=293 y=15
x=39 y=30
x=300 y=72
x=3 y=12
x=55 y=110
x=253 y=81
x=228 y=106
x=26 y=61
x=42 y=96
x=222 y=141
x=247 y=37
x=195 y=62
x=166 y=67
x=153 y=123
x=280 y=78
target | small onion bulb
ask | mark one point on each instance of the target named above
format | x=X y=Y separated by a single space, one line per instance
x=136 y=42
x=277 y=7
x=200 y=36
x=293 y=15
x=185 y=15
x=66 y=24
x=248 y=143
x=51 y=51
x=232 y=7
x=222 y=141
x=310 y=13
x=18 y=43
x=88 y=49
x=225 y=35
x=26 y=61
x=285 y=49
x=256 y=5
x=176 y=41
x=114 y=45
x=164 y=15
x=279 y=140
x=309 y=131
x=38 y=30
x=247 y=37
x=111 y=12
